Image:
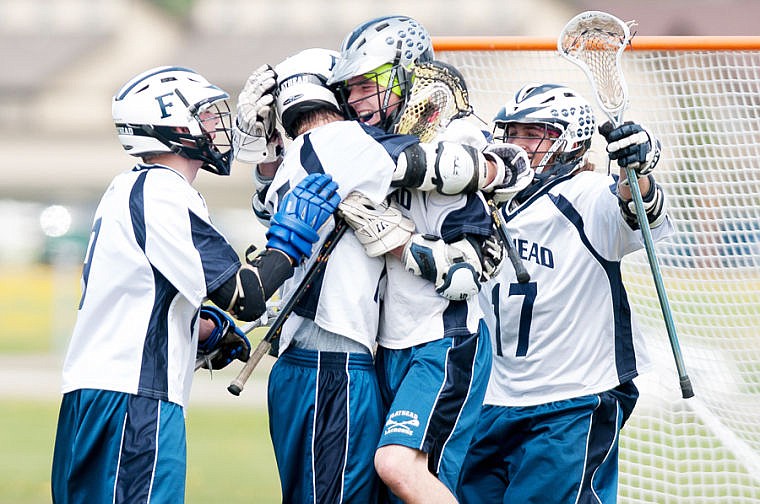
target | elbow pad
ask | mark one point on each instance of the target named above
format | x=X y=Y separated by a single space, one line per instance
x=447 y=167
x=454 y=269
x=245 y=295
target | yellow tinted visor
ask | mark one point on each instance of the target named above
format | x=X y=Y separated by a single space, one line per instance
x=382 y=76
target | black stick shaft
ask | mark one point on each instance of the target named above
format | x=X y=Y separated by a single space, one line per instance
x=236 y=386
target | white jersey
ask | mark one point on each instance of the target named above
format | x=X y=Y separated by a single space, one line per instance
x=359 y=158
x=153 y=257
x=413 y=312
x=568 y=332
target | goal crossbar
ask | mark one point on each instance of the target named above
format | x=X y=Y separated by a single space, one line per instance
x=644 y=43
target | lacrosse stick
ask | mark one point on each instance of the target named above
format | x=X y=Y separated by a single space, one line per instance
x=247 y=328
x=595 y=41
x=236 y=386
x=522 y=274
x=438 y=96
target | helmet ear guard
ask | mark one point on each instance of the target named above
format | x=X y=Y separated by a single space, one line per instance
x=175 y=110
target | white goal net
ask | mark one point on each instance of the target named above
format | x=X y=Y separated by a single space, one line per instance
x=703 y=101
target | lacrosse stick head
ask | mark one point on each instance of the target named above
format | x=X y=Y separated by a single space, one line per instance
x=595 y=41
x=438 y=96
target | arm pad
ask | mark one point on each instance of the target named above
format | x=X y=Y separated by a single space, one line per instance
x=245 y=295
x=447 y=167
x=654 y=206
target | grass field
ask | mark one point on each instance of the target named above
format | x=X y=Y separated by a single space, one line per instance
x=668 y=456
x=230 y=458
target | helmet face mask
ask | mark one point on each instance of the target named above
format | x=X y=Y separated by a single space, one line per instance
x=540 y=141
x=383 y=51
x=175 y=110
x=375 y=98
x=553 y=113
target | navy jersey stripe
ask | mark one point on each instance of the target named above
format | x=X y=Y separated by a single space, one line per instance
x=154 y=378
x=330 y=426
x=393 y=144
x=137 y=209
x=625 y=357
x=455 y=319
x=153 y=381
x=472 y=218
x=307 y=305
x=219 y=259
x=309 y=158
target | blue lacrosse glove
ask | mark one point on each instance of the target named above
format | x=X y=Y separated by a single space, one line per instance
x=632 y=145
x=226 y=337
x=294 y=228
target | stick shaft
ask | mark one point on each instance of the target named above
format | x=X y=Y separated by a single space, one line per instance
x=236 y=386
x=522 y=274
x=685 y=383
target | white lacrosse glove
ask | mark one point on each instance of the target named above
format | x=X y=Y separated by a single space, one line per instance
x=632 y=146
x=379 y=227
x=454 y=268
x=514 y=171
x=255 y=137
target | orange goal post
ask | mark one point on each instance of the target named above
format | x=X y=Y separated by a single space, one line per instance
x=701 y=96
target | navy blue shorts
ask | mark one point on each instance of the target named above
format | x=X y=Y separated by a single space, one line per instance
x=325 y=417
x=435 y=391
x=118 y=448
x=562 y=452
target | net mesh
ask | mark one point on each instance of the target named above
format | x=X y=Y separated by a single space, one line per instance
x=704 y=105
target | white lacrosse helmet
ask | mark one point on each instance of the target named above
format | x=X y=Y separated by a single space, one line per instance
x=392 y=44
x=160 y=110
x=302 y=86
x=560 y=110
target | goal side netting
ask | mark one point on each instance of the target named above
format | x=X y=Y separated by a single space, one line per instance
x=702 y=98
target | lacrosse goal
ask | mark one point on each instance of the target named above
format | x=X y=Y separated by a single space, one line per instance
x=701 y=95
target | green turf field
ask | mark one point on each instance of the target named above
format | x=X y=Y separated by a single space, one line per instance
x=230 y=457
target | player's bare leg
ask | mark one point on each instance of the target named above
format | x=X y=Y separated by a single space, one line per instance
x=405 y=472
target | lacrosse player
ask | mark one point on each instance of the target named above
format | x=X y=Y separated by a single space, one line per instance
x=153 y=258
x=326 y=332
x=434 y=355
x=566 y=346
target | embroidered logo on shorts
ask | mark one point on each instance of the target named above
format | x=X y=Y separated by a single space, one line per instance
x=403 y=422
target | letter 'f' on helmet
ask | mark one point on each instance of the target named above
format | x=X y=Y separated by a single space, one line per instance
x=175 y=110
x=566 y=116
x=387 y=48
x=302 y=86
